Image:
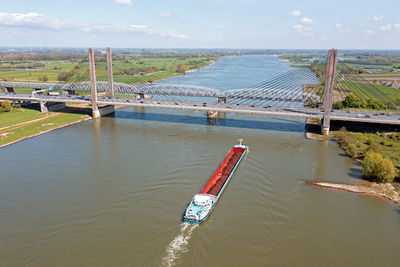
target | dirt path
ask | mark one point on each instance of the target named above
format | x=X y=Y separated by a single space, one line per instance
x=19 y=125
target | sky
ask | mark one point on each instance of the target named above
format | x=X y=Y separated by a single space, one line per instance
x=259 y=24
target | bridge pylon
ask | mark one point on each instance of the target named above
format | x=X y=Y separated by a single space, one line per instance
x=96 y=111
x=328 y=91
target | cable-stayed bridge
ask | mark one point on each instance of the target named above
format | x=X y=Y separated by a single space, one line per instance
x=316 y=91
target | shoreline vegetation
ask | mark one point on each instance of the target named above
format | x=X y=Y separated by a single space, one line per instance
x=358 y=146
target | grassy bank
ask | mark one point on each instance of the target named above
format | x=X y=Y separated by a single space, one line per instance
x=357 y=144
x=22 y=123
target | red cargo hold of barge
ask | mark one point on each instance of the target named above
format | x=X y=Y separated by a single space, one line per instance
x=217 y=181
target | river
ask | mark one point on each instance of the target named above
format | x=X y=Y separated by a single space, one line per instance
x=111 y=191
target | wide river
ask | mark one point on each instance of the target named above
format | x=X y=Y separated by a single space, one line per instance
x=112 y=191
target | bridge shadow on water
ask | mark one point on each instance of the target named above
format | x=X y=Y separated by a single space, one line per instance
x=272 y=123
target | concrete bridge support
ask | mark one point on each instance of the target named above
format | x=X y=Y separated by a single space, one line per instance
x=93 y=88
x=140 y=96
x=328 y=92
x=10 y=90
x=110 y=73
x=51 y=106
x=96 y=110
x=214 y=115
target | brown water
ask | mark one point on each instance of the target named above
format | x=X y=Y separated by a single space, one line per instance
x=111 y=192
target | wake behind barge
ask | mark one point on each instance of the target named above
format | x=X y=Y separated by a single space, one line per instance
x=203 y=203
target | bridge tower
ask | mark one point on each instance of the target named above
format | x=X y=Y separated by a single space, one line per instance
x=328 y=92
x=96 y=111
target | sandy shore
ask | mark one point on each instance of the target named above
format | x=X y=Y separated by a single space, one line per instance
x=386 y=191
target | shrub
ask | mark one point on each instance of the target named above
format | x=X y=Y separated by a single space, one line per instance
x=63 y=76
x=393 y=136
x=352 y=150
x=43 y=78
x=373 y=148
x=6 y=106
x=377 y=168
x=386 y=143
x=370 y=141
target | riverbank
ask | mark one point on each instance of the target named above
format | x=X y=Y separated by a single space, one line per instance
x=24 y=123
x=356 y=145
x=386 y=191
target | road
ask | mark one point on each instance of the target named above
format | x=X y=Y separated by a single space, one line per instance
x=213 y=106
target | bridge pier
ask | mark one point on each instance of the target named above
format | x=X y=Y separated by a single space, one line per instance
x=140 y=96
x=51 y=106
x=10 y=90
x=103 y=111
x=214 y=115
x=221 y=100
x=328 y=92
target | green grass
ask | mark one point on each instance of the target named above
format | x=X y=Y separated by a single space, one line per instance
x=381 y=75
x=370 y=91
x=384 y=145
x=19 y=115
x=22 y=115
x=23 y=90
x=52 y=68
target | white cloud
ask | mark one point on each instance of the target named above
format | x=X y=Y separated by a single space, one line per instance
x=339 y=25
x=306 y=20
x=369 y=32
x=295 y=13
x=386 y=27
x=306 y=31
x=378 y=18
x=124 y=2
x=41 y=22
x=397 y=26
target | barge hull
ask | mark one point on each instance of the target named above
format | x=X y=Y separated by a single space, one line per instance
x=221 y=176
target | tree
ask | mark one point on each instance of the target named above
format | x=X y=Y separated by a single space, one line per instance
x=43 y=78
x=182 y=68
x=377 y=168
x=361 y=70
x=63 y=76
x=6 y=106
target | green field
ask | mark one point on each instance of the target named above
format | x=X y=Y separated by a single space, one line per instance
x=362 y=90
x=157 y=67
x=13 y=128
x=51 y=70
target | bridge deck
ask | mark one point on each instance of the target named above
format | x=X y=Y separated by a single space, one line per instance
x=299 y=112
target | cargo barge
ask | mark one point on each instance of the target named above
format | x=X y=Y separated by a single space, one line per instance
x=203 y=203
